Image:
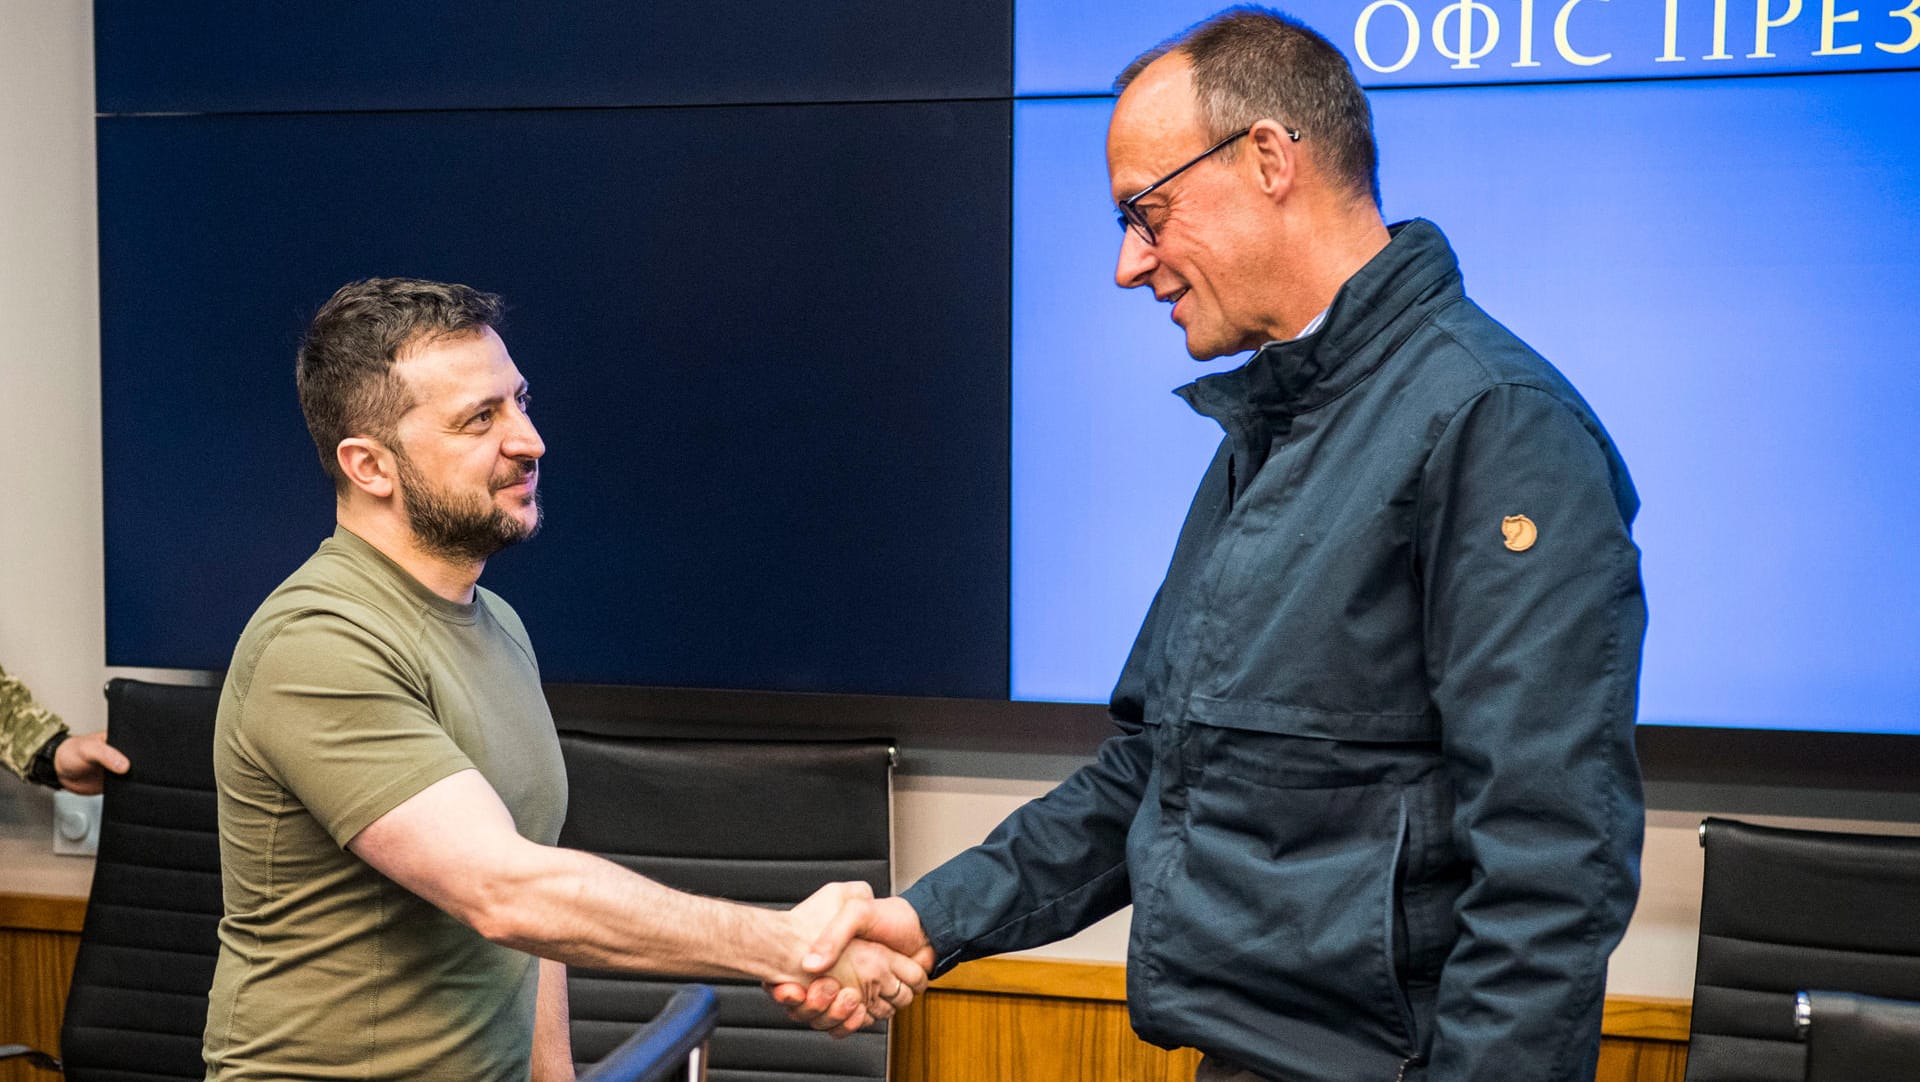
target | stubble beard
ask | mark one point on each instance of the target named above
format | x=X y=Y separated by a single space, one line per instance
x=466 y=530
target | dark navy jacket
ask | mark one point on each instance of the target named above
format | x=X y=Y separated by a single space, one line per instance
x=1374 y=798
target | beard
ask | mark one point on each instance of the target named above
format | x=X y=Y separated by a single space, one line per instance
x=465 y=527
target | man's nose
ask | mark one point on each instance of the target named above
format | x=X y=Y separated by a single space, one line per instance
x=1136 y=263
x=524 y=440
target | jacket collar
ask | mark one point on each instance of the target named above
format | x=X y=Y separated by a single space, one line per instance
x=1373 y=312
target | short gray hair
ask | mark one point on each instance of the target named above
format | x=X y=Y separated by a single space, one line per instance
x=1252 y=63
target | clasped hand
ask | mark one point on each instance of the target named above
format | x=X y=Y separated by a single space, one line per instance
x=855 y=966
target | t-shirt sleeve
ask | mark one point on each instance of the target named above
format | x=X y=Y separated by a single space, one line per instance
x=340 y=719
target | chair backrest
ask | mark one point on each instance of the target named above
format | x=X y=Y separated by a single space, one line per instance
x=138 y=1003
x=754 y=821
x=672 y=1046
x=1782 y=910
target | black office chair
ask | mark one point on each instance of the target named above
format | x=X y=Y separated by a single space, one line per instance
x=673 y=1045
x=1786 y=910
x=762 y=822
x=138 y=1005
x=138 y=1002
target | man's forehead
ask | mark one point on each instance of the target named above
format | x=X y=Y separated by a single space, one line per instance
x=457 y=365
x=1156 y=118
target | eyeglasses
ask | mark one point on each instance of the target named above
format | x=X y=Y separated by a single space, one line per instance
x=1132 y=215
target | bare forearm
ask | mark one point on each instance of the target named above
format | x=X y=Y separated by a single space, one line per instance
x=576 y=908
x=453 y=844
x=552 y=1041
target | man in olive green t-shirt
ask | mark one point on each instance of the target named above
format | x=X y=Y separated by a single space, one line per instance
x=390 y=786
x=355 y=687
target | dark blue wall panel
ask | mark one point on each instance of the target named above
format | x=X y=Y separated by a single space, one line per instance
x=768 y=346
x=248 y=55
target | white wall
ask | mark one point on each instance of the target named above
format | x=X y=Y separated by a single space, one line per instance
x=51 y=615
x=50 y=544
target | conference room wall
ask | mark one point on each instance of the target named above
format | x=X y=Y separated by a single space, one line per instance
x=766 y=343
x=756 y=268
x=52 y=578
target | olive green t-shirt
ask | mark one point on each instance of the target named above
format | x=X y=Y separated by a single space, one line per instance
x=353 y=688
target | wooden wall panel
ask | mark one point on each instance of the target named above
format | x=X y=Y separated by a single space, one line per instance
x=1003 y=1018
x=1014 y=1018
x=978 y=1035
x=35 y=969
x=39 y=936
x=1634 y=1059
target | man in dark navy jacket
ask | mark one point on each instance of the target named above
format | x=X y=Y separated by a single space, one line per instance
x=1374 y=797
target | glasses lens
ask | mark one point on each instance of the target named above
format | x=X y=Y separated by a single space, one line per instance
x=1132 y=216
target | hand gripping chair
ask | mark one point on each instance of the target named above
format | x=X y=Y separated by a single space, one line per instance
x=754 y=821
x=1789 y=910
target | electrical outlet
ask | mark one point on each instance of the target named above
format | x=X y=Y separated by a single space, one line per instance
x=76 y=824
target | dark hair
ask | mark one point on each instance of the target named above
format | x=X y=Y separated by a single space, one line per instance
x=345 y=369
x=1251 y=63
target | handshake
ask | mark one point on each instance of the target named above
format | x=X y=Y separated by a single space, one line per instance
x=858 y=959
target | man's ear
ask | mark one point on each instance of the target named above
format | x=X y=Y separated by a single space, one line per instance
x=1276 y=158
x=369 y=466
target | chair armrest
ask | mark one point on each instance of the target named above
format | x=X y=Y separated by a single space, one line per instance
x=32 y=1055
x=664 y=1046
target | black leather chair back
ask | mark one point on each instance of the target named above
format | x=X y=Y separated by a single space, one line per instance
x=1782 y=910
x=138 y=1004
x=761 y=822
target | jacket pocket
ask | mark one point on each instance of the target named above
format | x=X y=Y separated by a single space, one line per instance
x=1287 y=719
x=1279 y=936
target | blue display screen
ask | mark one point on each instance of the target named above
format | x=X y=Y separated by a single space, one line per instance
x=1077 y=46
x=1724 y=267
x=838 y=423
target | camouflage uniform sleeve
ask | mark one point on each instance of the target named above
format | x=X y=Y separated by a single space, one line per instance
x=25 y=725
